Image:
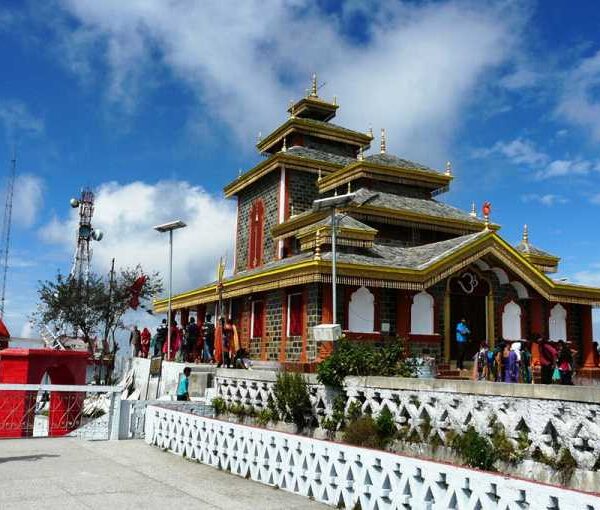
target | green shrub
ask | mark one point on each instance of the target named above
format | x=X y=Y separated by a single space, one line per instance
x=272 y=407
x=264 y=416
x=292 y=398
x=564 y=463
x=238 y=409
x=219 y=405
x=354 y=411
x=359 y=358
x=386 y=426
x=363 y=432
x=476 y=450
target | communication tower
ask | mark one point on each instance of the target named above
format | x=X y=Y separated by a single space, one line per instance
x=6 y=225
x=85 y=234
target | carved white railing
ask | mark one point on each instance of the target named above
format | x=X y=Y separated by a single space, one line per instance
x=551 y=416
x=252 y=388
x=341 y=476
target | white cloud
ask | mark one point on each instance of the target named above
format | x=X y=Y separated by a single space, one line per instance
x=580 y=103
x=127 y=214
x=548 y=199
x=522 y=78
x=17 y=120
x=518 y=151
x=28 y=199
x=561 y=167
x=420 y=66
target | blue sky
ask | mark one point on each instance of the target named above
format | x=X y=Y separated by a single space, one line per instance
x=156 y=105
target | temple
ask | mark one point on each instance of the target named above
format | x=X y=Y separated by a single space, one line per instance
x=408 y=265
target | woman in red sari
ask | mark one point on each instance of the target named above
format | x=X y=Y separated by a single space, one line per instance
x=145 y=337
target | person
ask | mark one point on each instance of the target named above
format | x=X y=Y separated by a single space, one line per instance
x=526 y=373
x=480 y=367
x=161 y=337
x=512 y=360
x=565 y=364
x=547 y=359
x=145 y=338
x=242 y=359
x=191 y=338
x=183 y=391
x=135 y=341
x=596 y=354
x=226 y=343
x=462 y=335
x=208 y=337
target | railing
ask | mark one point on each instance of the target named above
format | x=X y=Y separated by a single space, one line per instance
x=550 y=416
x=87 y=412
x=345 y=476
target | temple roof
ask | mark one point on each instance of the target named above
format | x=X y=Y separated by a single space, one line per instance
x=397 y=162
x=317 y=155
x=542 y=259
x=342 y=221
x=526 y=248
x=428 y=207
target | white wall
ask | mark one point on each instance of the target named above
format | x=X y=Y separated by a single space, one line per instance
x=361 y=311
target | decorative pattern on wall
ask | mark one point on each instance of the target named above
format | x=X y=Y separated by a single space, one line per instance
x=342 y=476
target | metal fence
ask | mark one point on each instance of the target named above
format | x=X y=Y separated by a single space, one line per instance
x=38 y=410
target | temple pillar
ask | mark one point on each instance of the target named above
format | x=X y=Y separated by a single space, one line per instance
x=327 y=308
x=403 y=304
x=587 y=336
x=185 y=316
x=536 y=318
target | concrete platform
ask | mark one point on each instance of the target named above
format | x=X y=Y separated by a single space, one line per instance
x=70 y=473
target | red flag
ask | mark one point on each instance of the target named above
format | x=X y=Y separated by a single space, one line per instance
x=3 y=330
x=136 y=290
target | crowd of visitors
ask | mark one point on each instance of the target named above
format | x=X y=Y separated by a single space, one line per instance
x=511 y=361
x=206 y=343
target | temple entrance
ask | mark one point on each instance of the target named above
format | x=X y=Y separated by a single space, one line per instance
x=468 y=300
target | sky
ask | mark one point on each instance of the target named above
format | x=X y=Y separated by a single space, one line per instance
x=157 y=104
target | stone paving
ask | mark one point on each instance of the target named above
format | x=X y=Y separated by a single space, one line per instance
x=62 y=473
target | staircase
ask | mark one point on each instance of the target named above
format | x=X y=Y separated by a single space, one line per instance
x=449 y=371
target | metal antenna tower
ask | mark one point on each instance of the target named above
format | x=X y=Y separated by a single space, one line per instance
x=85 y=233
x=6 y=224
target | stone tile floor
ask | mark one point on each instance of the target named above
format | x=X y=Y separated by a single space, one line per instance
x=62 y=473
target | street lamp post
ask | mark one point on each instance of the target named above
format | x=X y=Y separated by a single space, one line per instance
x=169 y=227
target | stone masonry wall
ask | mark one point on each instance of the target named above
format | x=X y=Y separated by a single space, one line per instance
x=302 y=190
x=273 y=325
x=266 y=189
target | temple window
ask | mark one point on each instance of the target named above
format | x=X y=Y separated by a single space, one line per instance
x=361 y=311
x=558 y=323
x=255 y=237
x=294 y=314
x=511 y=321
x=256 y=319
x=421 y=314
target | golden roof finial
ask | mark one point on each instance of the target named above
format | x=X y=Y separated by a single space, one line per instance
x=292 y=113
x=239 y=172
x=525 y=234
x=473 y=212
x=284 y=146
x=313 y=91
x=370 y=132
x=448 y=168
x=320 y=176
x=334 y=100
x=382 y=143
x=349 y=187
x=318 y=245
x=360 y=156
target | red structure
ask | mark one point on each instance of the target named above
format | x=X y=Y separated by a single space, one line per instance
x=28 y=366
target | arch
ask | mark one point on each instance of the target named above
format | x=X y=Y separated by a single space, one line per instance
x=522 y=291
x=482 y=265
x=361 y=311
x=501 y=275
x=421 y=314
x=511 y=321
x=558 y=323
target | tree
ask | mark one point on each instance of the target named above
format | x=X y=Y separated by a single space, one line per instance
x=94 y=308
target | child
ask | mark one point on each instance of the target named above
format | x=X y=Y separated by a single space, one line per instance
x=184 y=384
x=481 y=371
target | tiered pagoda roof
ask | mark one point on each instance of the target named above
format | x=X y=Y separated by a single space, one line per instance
x=545 y=261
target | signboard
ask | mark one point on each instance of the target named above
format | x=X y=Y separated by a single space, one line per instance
x=155 y=366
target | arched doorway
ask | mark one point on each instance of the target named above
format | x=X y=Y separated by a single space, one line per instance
x=558 y=323
x=511 y=321
x=468 y=293
x=421 y=314
x=361 y=311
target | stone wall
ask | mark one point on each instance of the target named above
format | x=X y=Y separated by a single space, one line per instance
x=273 y=326
x=267 y=189
x=302 y=190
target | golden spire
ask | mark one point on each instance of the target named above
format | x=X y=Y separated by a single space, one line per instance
x=360 y=156
x=318 y=245
x=284 y=146
x=525 y=235
x=239 y=172
x=448 y=168
x=313 y=91
x=370 y=132
x=292 y=114
x=349 y=188
x=473 y=212
x=382 y=143
x=320 y=176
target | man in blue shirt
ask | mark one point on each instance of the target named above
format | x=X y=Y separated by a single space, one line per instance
x=184 y=383
x=462 y=335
